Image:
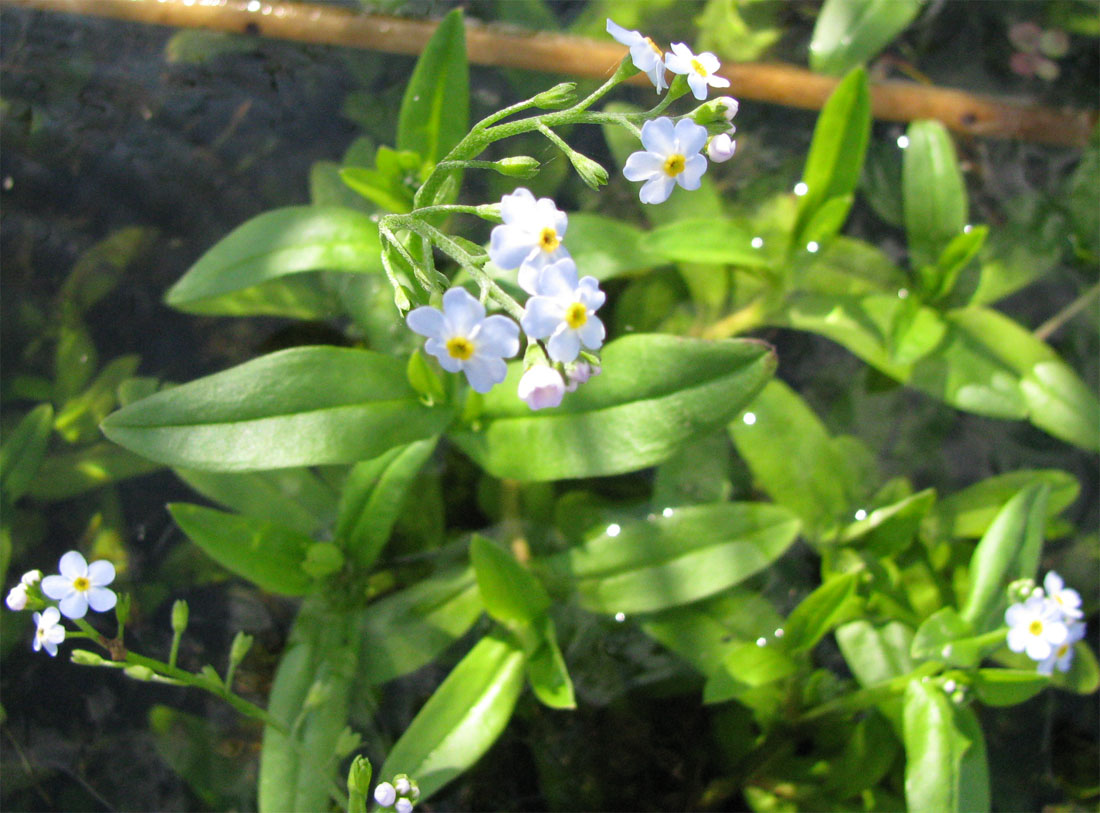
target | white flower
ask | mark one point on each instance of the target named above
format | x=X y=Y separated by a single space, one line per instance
x=385 y=794
x=720 y=148
x=564 y=311
x=1062 y=656
x=462 y=338
x=1035 y=627
x=644 y=53
x=531 y=235
x=579 y=373
x=17 y=597
x=699 y=69
x=81 y=585
x=401 y=784
x=48 y=633
x=542 y=386
x=31 y=577
x=671 y=156
x=1067 y=600
x=729 y=106
x=403 y=806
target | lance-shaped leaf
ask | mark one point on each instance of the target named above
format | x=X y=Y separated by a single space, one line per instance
x=606 y=247
x=317 y=665
x=832 y=603
x=435 y=110
x=726 y=241
x=655 y=393
x=546 y=670
x=23 y=449
x=66 y=475
x=300 y=407
x=511 y=593
x=1009 y=550
x=934 y=200
x=463 y=718
x=665 y=561
x=837 y=150
x=373 y=496
x=946 y=636
x=265 y=553
x=875 y=655
x=850 y=32
x=945 y=767
x=406 y=630
x=1008 y=687
x=227 y=278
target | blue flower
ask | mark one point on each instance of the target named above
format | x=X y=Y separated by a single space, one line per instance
x=564 y=311
x=530 y=237
x=700 y=70
x=644 y=53
x=671 y=157
x=81 y=585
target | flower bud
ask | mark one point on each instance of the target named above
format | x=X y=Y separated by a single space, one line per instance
x=401 y=784
x=384 y=794
x=318 y=693
x=722 y=109
x=490 y=212
x=591 y=173
x=401 y=299
x=83 y=657
x=557 y=97
x=518 y=166
x=180 y=614
x=139 y=672
x=720 y=148
x=31 y=577
x=541 y=386
x=359 y=775
x=239 y=648
x=403 y=805
x=579 y=373
x=17 y=597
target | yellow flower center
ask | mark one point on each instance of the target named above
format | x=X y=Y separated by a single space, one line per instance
x=1035 y=627
x=548 y=240
x=656 y=50
x=81 y=584
x=1062 y=650
x=576 y=315
x=460 y=348
x=697 y=66
x=674 y=165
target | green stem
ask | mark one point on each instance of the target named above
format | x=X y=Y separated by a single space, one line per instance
x=865 y=698
x=1047 y=329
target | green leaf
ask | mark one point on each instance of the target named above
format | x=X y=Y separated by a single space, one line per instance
x=300 y=407
x=827 y=221
x=546 y=670
x=946 y=636
x=869 y=753
x=847 y=266
x=1009 y=550
x=969 y=513
x=424 y=379
x=267 y=554
x=402 y=632
x=606 y=247
x=99 y=270
x=296 y=498
x=62 y=476
x=747 y=666
x=876 y=654
x=1008 y=687
x=934 y=199
x=300 y=774
x=724 y=241
x=269 y=247
x=188 y=743
x=435 y=109
x=956 y=256
x=509 y=591
x=782 y=428
x=837 y=150
x=78 y=418
x=1083 y=676
x=621 y=420
x=383 y=190
x=890 y=529
x=827 y=606
x=463 y=718
x=373 y=496
x=23 y=450
x=700 y=472
x=849 y=32
x=75 y=359
x=669 y=560
x=946 y=767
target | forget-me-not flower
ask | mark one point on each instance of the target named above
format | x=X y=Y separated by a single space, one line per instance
x=1062 y=656
x=530 y=237
x=541 y=386
x=1067 y=599
x=1036 y=627
x=699 y=68
x=385 y=794
x=644 y=53
x=671 y=156
x=81 y=585
x=463 y=338
x=564 y=311
x=48 y=632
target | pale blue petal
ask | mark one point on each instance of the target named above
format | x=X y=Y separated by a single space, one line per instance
x=564 y=346
x=483 y=372
x=621 y=34
x=509 y=245
x=698 y=85
x=558 y=280
x=656 y=190
x=542 y=316
x=528 y=278
x=101 y=573
x=426 y=321
x=497 y=336
x=592 y=333
x=659 y=136
x=518 y=207
x=102 y=599
x=438 y=349
x=690 y=136
x=74 y=605
x=692 y=176
x=57 y=587
x=549 y=215
x=72 y=565
x=461 y=312
x=590 y=294
x=641 y=166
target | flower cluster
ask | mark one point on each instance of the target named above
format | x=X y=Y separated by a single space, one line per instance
x=672 y=154
x=78 y=586
x=1047 y=624
x=561 y=310
x=1036 y=50
x=401 y=794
